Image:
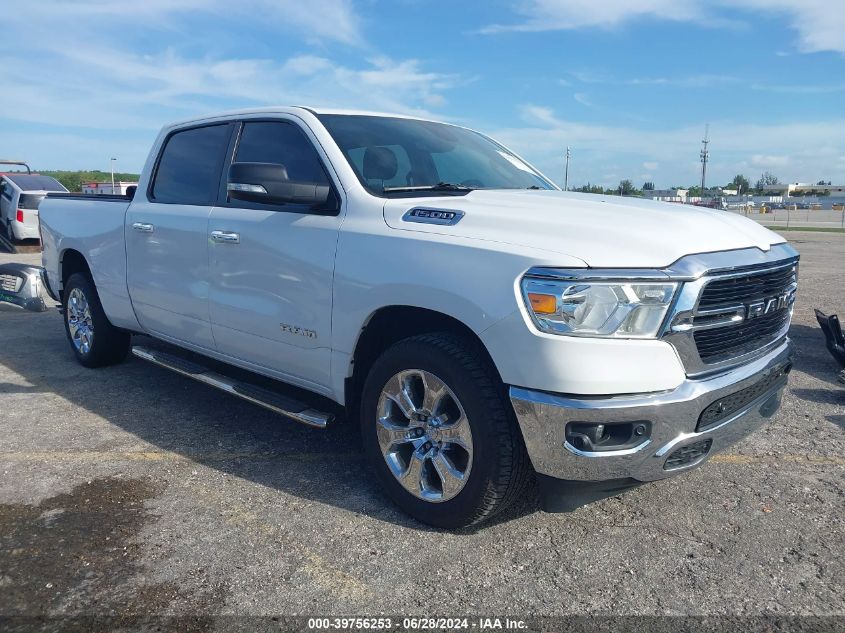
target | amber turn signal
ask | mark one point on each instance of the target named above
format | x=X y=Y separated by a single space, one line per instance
x=542 y=304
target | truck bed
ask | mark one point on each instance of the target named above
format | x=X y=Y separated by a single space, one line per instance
x=91 y=225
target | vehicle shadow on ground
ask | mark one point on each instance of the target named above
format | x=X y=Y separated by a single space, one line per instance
x=812 y=357
x=176 y=414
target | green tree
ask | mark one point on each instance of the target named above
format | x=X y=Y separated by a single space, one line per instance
x=766 y=179
x=740 y=183
x=648 y=186
x=626 y=188
x=74 y=180
x=588 y=188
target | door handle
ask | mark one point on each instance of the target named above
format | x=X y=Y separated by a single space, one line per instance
x=226 y=237
x=144 y=227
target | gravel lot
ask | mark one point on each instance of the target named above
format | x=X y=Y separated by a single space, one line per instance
x=132 y=490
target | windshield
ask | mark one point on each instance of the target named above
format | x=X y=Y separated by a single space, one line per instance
x=30 y=200
x=407 y=156
x=35 y=182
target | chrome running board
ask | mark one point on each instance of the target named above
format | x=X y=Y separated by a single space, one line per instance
x=276 y=402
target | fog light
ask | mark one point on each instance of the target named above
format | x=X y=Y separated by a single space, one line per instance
x=597 y=437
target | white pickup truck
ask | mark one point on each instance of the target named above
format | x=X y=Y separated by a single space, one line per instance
x=488 y=330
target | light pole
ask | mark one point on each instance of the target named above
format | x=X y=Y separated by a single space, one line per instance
x=566 y=174
x=111 y=161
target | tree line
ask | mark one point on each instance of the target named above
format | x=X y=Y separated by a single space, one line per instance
x=73 y=180
x=740 y=183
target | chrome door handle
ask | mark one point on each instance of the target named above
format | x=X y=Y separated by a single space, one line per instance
x=226 y=237
x=144 y=227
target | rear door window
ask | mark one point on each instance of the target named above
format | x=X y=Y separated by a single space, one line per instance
x=30 y=200
x=189 y=167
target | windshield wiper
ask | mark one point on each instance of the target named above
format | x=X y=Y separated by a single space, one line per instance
x=440 y=186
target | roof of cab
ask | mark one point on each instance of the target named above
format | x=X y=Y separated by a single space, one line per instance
x=291 y=110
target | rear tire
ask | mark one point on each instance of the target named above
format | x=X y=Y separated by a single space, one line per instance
x=451 y=459
x=95 y=342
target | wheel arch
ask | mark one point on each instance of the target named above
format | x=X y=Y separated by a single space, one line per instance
x=390 y=324
x=72 y=261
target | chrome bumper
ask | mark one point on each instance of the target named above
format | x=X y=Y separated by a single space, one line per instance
x=673 y=415
x=25 y=286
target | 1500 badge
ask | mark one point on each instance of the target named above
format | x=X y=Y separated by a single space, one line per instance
x=295 y=329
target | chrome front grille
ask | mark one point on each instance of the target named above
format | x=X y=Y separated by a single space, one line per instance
x=732 y=340
x=726 y=316
x=10 y=283
x=754 y=308
x=746 y=287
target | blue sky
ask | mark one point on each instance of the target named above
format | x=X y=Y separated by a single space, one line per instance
x=628 y=84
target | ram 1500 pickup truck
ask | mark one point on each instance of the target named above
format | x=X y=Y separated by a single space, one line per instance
x=489 y=331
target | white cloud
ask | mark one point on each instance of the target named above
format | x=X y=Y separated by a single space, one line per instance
x=800 y=89
x=332 y=20
x=108 y=73
x=767 y=161
x=550 y=15
x=132 y=90
x=691 y=81
x=818 y=23
x=671 y=154
x=539 y=114
x=582 y=98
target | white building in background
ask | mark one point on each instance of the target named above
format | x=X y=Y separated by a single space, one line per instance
x=667 y=195
x=788 y=189
x=120 y=187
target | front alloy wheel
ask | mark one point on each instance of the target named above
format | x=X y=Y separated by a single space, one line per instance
x=424 y=435
x=439 y=433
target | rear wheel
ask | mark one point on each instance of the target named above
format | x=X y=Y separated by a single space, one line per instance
x=439 y=433
x=95 y=341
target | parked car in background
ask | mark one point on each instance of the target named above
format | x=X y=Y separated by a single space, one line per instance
x=20 y=195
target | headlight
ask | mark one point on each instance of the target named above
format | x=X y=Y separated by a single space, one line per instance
x=618 y=309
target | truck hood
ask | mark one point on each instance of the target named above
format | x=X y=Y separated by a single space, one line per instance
x=603 y=231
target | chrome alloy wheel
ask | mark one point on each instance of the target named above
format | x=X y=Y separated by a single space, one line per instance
x=424 y=435
x=79 y=321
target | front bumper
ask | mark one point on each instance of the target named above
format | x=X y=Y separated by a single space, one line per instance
x=673 y=417
x=25 y=286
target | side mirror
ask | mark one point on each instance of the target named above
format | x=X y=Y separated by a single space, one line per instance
x=268 y=183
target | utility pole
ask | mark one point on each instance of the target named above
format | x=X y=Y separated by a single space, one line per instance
x=705 y=156
x=566 y=175
x=111 y=160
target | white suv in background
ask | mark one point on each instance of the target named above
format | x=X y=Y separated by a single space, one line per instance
x=19 y=198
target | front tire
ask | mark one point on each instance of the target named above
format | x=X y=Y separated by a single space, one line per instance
x=95 y=342
x=439 y=433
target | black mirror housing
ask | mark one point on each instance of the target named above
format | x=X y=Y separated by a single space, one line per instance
x=268 y=183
